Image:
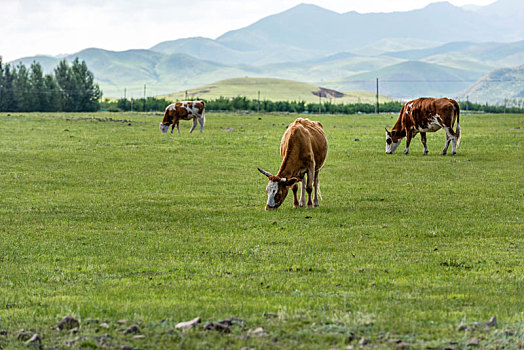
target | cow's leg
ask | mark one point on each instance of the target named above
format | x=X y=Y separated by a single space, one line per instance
x=201 y=121
x=445 y=150
x=194 y=125
x=408 y=141
x=295 y=197
x=424 y=140
x=302 y=193
x=315 y=186
x=172 y=127
x=309 y=186
x=178 y=126
x=453 y=140
x=450 y=137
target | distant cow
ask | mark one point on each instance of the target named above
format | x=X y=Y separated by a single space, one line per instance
x=185 y=110
x=303 y=149
x=425 y=115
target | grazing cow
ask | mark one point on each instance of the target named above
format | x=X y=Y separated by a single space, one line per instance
x=185 y=110
x=425 y=115
x=303 y=149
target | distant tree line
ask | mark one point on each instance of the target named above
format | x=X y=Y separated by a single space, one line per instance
x=70 y=88
x=240 y=103
x=479 y=107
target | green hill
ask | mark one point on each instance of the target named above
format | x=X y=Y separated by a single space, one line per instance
x=274 y=90
x=497 y=86
x=411 y=79
x=481 y=57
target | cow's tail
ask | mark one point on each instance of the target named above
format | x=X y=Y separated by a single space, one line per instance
x=203 y=112
x=457 y=130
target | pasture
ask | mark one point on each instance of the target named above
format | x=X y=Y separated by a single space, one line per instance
x=104 y=219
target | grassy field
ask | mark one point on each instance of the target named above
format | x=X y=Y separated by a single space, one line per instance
x=273 y=90
x=104 y=219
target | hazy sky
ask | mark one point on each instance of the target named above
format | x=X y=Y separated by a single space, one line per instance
x=52 y=27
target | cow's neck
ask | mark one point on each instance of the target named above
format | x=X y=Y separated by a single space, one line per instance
x=399 y=128
x=287 y=168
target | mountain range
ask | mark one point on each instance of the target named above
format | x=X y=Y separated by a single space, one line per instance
x=438 y=50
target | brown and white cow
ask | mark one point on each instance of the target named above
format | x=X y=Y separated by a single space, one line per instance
x=425 y=115
x=303 y=149
x=185 y=110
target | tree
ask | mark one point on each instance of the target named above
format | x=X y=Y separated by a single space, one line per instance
x=52 y=96
x=7 y=94
x=79 y=93
x=66 y=85
x=38 y=90
x=22 y=86
x=87 y=94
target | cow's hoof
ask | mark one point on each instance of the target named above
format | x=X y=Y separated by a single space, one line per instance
x=453 y=153
x=442 y=153
x=426 y=153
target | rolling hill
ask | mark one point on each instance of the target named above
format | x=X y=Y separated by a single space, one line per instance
x=468 y=55
x=411 y=79
x=497 y=86
x=274 y=90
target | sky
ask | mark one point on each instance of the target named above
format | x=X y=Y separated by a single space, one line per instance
x=55 y=27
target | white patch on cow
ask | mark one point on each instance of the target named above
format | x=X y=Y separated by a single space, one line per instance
x=390 y=145
x=409 y=108
x=433 y=125
x=271 y=189
x=164 y=128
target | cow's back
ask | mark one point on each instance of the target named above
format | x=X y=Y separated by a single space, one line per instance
x=419 y=111
x=304 y=137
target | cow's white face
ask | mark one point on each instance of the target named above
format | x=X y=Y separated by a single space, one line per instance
x=164 y=128
x=276 y=193
x=392 y=142
x=277 y=189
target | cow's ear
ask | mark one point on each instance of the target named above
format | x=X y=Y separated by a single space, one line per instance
x=291 y=181
x=387 y=132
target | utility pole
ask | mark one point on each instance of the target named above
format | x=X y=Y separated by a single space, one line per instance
x=505 y=101
x=376 y=106
x=319 y=103
x=144 y=97
x=186 y=94
x=467 y=103
x=258 y=104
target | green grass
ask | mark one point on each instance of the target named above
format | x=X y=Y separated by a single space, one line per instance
x=106 y=220
x=273 y=90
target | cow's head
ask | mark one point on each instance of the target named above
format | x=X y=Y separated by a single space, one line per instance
x=168 y=120
x=163 y=127
x=392 y=141
x=277 y=189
